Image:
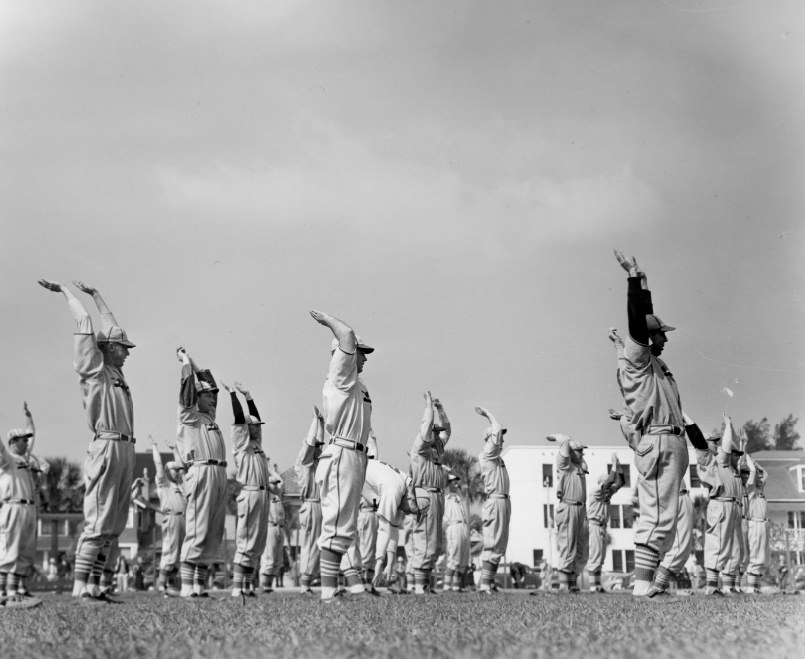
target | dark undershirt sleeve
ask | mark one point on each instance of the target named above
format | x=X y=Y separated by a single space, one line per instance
x=237 y=409
x=696 y=437
x=253 y=409
x=637 y=301
x=187 y=390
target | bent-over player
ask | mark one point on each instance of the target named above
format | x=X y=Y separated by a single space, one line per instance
x=598 y=520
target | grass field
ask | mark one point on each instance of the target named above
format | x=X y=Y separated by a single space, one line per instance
x=508 y=624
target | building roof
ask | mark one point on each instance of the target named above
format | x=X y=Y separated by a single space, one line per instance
x=785 y=456
x=782 y=474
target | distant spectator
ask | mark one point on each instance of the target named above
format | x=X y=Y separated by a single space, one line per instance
x=122 y=572
x=518 y=572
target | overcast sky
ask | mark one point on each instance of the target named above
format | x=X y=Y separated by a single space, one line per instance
x=450 y=178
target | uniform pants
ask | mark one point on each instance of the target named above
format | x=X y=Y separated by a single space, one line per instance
x=457 y=555
x=205 y=490
x=740 y=555
x=172 y=539
x=17 y=538
x=340 y=475
x=661 y=461
x=676 y=557
x=310 y=527
x=496 y=513
x=722 y=518
x=571 y=536
x=272 y=558
x=108 y=475
x=428 y=530
x=598 y=547
x=250 y=536
x=367 y=536
x=758 y=546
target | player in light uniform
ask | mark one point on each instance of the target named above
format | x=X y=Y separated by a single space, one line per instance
x=367 y=524
x=661 y=456
x=272 y=558
x=109 y=466
x=253 y=478
x=342 y=464
x=598 y=520
x=740 y=544
x=429 y=480
x=757 y=525
x=572 y=532
x=19 y=498
x=172 y=505
x=310 y=511
x=202 y=449
x=717 y=473
x=677 y=556
x=395 y=496
x=497 y=508
x=457 y=536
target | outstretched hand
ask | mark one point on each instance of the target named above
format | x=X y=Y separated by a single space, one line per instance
x=241 y=389
x=81 y=286
x=615 y=415
x=152 y=440
x=631 y=267
x=615 y=337
x=225 y=386
x=482 y=411
x=54 y=286
x=25 y=409
x=319 y=316
x=182 y=355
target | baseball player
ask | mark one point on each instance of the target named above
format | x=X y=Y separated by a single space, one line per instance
x=717 y=472
x=654 y=409
x=310 y=511
x=457 y=536
x=497 y=508
x=202 y=449
x=598 y=520
x=252 y=501
x=429 y=480
x=172 y=505
x=342 y=464
x=408 y=576
x=572 y=531
x=396 y=497
x=272 y=558
x=109 y=465
x=757 y=525
x=19 y=471
x=740 y=549
x=367 y=523
x=677 y=556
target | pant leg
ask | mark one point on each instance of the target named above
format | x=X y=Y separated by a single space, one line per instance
x=252 y=530
x=340 y=476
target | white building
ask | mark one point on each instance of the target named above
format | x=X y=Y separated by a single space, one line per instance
x=532 y=471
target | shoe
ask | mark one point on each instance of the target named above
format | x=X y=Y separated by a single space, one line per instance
x=308 y=591
x=23 y=602
x=104 y=597
x=658 y=595
x=715 y=592
x=250 y=593
x=88 y=599
x=267 y=590
x=597 y=589
x=374 y=591
x=484 y=591
x=336 y=599
x=203 y=595
x=170 y=592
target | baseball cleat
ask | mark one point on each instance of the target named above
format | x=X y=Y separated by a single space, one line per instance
x=22 y=602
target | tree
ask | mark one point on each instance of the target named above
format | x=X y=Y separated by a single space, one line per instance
x=785 y=434
x=758 y=437
x=466 y=467
x=62 y=488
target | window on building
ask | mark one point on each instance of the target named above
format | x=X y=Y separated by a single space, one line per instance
x=796 y=520
x=537 y=557
x=628 y=516
x=695 y=481
x=45 y=527
x=614 y=516
x=617 y=560
x=547 y=475
x=801 y=477
x=629 y=560
x=547 y=515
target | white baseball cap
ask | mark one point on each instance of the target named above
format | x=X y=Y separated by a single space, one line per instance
x=363 y=347
x=114 y=334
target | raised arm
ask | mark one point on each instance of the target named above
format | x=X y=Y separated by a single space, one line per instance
x=441 y=420
x=249 y=400
x=638 y=299
x=107 y=317
x=187 y=391
x=343 y=332
x=29 y=425
x=426 y=427
x=237 y=408
x=160 y=470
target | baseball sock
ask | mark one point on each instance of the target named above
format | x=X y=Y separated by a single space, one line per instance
x=595 y=580
x=663 y=578
x=646 y=562
x=12 y=583
x=200 y=578
x=330 y=566
x=267 y=581
x=488 y=569
x=448 y=579
x=712 y=579
x=107 y=578
x=188 y=571
x=3 y=582
x=238 y=578
x=248 y=579
x=354 y=581
x=565 y=580
x=368 y=576
x=728 y=581
x=304 y=581
x=421 y=580
x=753 y=581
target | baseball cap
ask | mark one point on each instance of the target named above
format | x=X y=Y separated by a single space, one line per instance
x=491 y=431
x=253 y=420
x=655 y=324
x=575 y=446
x=173 y=465
x=18 y=433
x=114 y=334
x=363 y=347
x=205 y=382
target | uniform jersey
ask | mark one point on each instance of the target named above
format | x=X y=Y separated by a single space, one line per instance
x=493 y=469
x=454 y=512
x=107 y=399
x=572 y=484
x=386 y=485
x=250 y=460
x=426 y=469
x=18 y=476
x=171 y=496
x=346 y=402
x=649 y=389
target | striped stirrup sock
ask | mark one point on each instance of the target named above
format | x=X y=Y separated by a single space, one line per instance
x=712 y=578
x=662 y=580
x=330 y=567
x=646 y=561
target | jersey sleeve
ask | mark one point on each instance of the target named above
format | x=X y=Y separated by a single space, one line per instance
x=343 y=373
x=188 y=409
x=87 y=357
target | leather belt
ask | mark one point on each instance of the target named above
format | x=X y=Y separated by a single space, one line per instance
x=312 y=500
x=114 y=436
x=757 y=519
x=596 y=522
x=22 y=502
x=254 y=488
x=665 y=429
x=210 y=463
x=497 y=495
x=572 y=503
x=733 y=499
x=348 y=443
x=174 y=514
